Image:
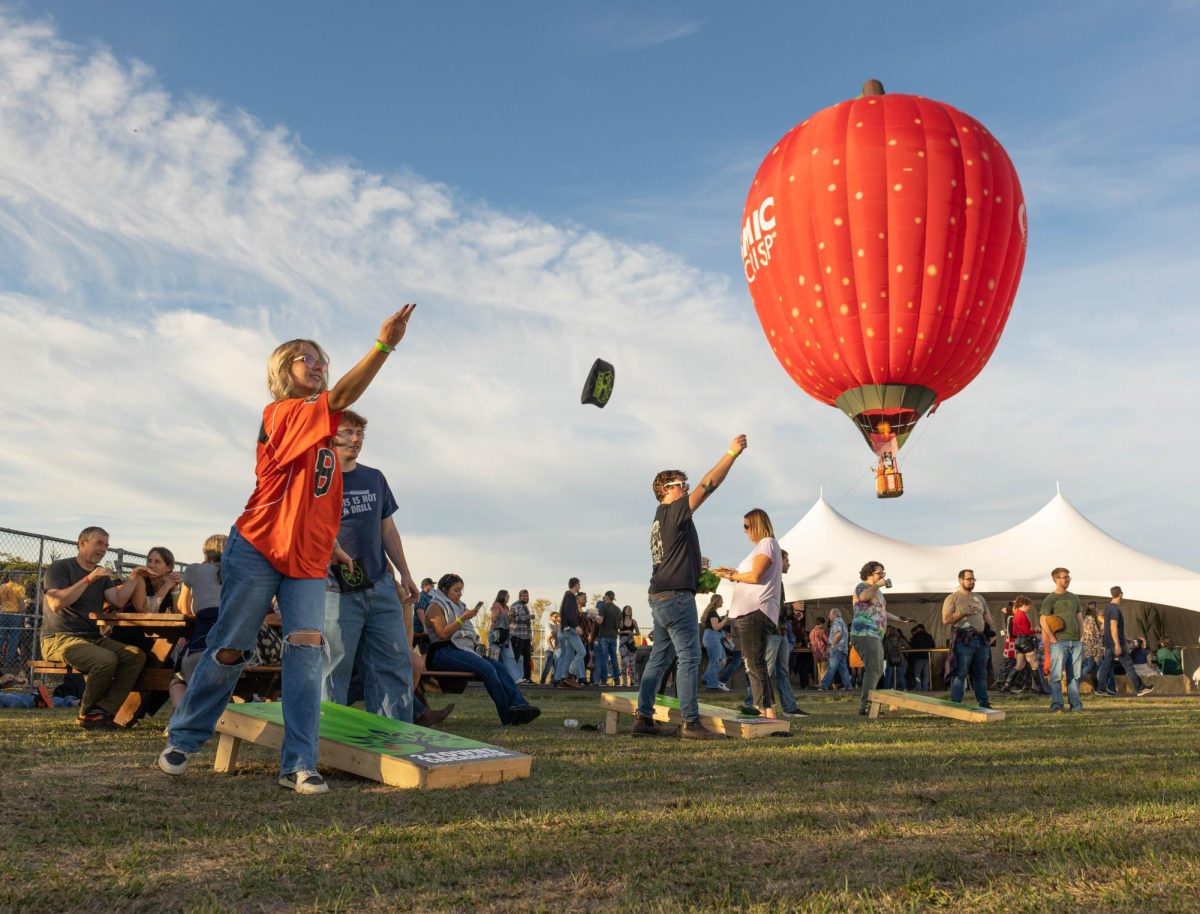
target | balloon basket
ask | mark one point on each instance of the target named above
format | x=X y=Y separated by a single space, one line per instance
x=889 y=485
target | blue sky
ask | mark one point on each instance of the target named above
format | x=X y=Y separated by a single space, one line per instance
x=556 y=181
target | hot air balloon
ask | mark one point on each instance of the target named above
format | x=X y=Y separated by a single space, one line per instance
x=883 y=240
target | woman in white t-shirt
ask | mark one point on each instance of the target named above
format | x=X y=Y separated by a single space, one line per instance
x=757 y=589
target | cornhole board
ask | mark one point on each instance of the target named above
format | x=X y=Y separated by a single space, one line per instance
x=939 y=707
x=379 y=748
x=666 y=710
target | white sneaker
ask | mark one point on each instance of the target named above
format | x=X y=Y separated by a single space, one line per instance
x=173 y=761
x=306 y=782
x=722 y=687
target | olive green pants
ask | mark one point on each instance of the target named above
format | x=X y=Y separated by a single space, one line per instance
x=110 y=668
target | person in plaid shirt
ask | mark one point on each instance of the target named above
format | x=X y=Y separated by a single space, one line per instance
x=521 y=636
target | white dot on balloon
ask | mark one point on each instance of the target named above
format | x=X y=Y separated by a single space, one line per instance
x=772 y=333
x=820 y=304
x=837 y=161
x=920 y=153
x=976 y=348
x=861 y=252
x=845 y=280
x=882 y=235
x=775 y=150
x=871 y=102
x=859 y=124
x=836 y=355
x=949 y=255
x=899 y=329
x=991 y=283
x=841 y=339
x=986 y=191
x=897 y=187
x=983 y=155
x=800 y=279
x=931 y=270
x=820 y=245
x=916 y=120
x=837 y=220
x=883 y=294
x=949 y=339
x=845 y=309
x=920 y=336
x=899 y=268
x=969 y=340
x=791 y=178
x=870 y=331
x=999 y=199
x=953 y=142
x=831 y=187
x=981 y=302
x=910 y=352
x=810 y=320
x=858 y=195
x=970 y=161
x=917 y=220
x=966 y=277
x=807 y=343
x=817 y=287
x=910 y=306
x=815 y=150
x=829 y=269
x=891 y=142
x=953 y=182
x=795 y=312
x=864 y=306
x=969 y=201
x=954 y=220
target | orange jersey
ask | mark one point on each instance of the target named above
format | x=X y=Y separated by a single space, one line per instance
x=293 y=515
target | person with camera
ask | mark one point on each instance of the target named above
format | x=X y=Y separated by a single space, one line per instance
x=967 y=614
x=1061 y=621
x=869 y=625
x=454 y=648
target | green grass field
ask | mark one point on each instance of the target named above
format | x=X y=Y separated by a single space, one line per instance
x=1090 y=812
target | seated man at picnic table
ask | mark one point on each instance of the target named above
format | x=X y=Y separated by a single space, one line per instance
x=74 y=588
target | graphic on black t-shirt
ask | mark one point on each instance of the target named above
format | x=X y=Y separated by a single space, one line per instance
x=674 y=548
x=656 y=549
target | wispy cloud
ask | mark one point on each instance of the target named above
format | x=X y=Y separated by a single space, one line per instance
x=153 y=249
x=641 y=29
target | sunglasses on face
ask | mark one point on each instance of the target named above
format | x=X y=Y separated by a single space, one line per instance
x=312 y=362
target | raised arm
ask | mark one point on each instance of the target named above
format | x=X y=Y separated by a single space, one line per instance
x=717 y=474
x=355 y=381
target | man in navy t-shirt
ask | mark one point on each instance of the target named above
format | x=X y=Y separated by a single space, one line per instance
x=675 y=557
x=1115 y=650
x=364 y=618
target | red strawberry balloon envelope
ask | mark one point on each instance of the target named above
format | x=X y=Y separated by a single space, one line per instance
x=883 y=240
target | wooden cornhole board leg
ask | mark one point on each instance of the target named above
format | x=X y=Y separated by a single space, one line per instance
x=939 y=707
x=666 y=710
x=379 y=748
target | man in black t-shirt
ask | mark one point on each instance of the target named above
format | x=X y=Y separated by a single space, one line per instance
x=675 y=556
x=569 y=664
x=74 y=588
x=1116 y=651
x=608 y=619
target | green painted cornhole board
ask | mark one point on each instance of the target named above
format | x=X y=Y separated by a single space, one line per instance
x=939 y=707
x=379 y=748
x=666 y=710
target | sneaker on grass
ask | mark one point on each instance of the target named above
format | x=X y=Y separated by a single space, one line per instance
x=1145 y=690
x=173 y=761
x=305 y=782
x=797 y=713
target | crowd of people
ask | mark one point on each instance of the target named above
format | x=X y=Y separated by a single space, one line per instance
x=317 y=544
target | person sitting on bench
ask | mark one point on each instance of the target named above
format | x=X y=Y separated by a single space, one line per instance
x=76 y=587
x=453 y=649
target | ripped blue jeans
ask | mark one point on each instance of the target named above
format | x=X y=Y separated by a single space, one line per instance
x=250 y=581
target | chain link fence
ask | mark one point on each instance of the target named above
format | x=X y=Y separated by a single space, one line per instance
x=23 y=561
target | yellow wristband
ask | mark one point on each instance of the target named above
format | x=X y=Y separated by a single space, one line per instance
x=732 y=453
x=382 y=346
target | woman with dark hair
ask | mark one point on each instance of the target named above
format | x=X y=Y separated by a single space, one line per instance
x=757 y=590
x=712 y=639
x=869 y=625
x=157 y=591
x=500 y=636
x=627 y=635
x=1024 y=637
x=280 y=548
x=452 y=648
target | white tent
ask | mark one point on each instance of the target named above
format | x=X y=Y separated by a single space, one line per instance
x=1161 y=599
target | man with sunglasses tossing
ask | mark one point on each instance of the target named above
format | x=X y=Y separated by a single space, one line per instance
x=675 y=556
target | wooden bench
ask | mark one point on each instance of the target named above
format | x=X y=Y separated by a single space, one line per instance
x=379 y=748
x=666 y=710
x=925 y=704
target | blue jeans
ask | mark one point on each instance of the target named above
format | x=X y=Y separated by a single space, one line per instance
x=839 y=667
x=1106 y=679
x=11 y=630
x=970 y=659
x=920 y=673
x=893 y=676
x=369 y=625
x=499 y=684
x=504 y=653
x=548 y=663
x=250 y=581
x=676 y=635
x=571 y=656
x=733 y=662
x=606 y=660
x=26 y=700
x=715 y=649
x=1065 y=656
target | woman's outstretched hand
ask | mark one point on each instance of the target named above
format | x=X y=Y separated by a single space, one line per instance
x=392 y=331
